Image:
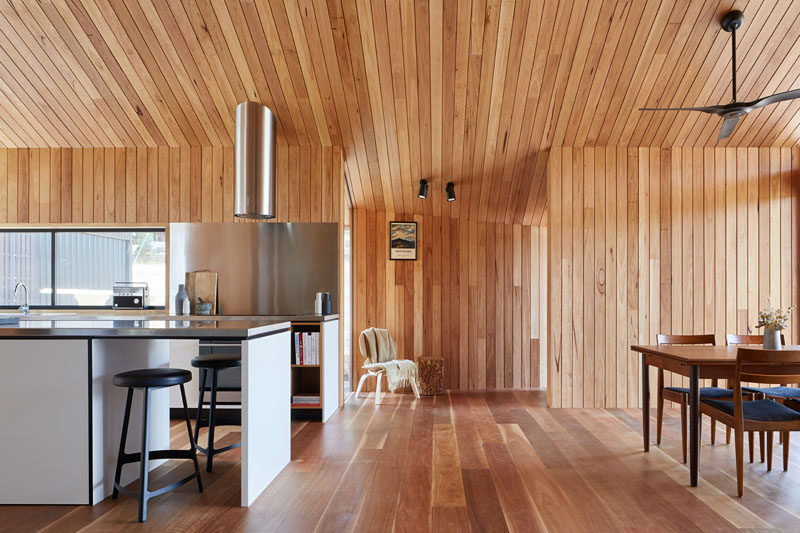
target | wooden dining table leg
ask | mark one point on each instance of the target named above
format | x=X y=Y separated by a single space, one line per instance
x=694 y=423
x=645 y=404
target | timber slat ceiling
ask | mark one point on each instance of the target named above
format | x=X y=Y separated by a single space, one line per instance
x=473 y=91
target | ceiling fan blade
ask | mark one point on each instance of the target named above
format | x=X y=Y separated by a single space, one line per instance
x=713 y=109
x=728 y=126
x=774 y=99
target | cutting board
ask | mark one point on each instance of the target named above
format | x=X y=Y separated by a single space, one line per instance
x=202 y=284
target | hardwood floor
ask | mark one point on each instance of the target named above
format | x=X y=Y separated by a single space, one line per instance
x=485 y=461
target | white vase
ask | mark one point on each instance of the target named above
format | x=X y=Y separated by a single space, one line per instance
x=772 y=339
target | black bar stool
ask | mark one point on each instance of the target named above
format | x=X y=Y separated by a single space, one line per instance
x=149 y=379
x=214 y=363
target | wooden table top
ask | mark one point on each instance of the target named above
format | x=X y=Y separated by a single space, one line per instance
x=695 y=355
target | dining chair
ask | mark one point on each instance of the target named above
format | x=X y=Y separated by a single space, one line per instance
x=680 y=395
x=780 y=393
x=760 y=366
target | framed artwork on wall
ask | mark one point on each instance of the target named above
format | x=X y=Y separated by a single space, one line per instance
x=402 y=241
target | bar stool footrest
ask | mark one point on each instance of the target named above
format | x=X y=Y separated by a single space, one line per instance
x=151 y=494
x=215 y=451
x=156 y=454
x=203 y=423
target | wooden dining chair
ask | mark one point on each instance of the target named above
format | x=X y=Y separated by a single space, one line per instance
x=680 y=395
x=759 y=366
x=732 y=339
x=782 y=393
x=744 y=340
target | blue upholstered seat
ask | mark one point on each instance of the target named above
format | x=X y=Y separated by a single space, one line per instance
x=705 y=392
x=778 y=392
x=758 y=410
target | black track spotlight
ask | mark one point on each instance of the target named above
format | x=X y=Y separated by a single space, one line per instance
x=450 y=189
x=423 y=189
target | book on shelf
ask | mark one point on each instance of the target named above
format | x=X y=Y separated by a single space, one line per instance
x=306 y=348
x=302 y=346
x=305 y=399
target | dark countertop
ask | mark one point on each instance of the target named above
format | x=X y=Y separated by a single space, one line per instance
x=306 y=318
x=151 y=315
x=290 y=318
x=133 y=327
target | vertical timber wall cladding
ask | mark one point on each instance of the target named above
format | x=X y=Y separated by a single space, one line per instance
x=159 y=185
x=475 y=296
x=661 y=240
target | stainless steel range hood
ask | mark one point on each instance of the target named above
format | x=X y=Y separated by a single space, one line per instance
x=255 y=161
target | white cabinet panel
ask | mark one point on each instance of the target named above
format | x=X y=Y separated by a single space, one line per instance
x=266 y=417
x=44 y=416
x=330 y=368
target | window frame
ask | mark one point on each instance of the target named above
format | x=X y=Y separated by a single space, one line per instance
x=103 y=229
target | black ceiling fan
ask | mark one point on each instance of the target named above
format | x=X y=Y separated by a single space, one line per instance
x=731 y=113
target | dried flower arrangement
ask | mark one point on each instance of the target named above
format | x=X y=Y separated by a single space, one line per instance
x=774 y=318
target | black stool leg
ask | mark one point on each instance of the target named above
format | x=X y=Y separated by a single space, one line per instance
x=124 y=438
x=211 y=420
x=145 y=457
x=191 y=439
x=200 y=404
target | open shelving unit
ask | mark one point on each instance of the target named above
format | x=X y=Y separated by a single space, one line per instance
x=306 y=379
x=320 y=379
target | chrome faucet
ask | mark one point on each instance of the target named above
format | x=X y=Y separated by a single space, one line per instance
x=24 y=307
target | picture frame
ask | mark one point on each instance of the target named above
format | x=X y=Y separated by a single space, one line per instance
x=402 y=240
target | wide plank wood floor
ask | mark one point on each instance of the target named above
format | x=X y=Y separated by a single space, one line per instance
x=480 y=461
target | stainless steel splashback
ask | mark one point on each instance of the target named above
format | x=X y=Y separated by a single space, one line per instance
x=264 y=269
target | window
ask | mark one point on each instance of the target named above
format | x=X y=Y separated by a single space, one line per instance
x=78 y=268
x=348 y=310
x=26 y=256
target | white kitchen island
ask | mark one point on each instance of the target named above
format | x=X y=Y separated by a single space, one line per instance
x=62 y=416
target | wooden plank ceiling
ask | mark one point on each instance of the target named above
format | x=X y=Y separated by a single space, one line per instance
x=473 y=91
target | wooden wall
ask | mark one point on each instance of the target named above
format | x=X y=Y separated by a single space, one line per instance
x=661 y=240
x=159 y=185
x=475 y=296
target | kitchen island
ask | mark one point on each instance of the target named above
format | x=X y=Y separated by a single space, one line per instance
x=323 y=379
x=62 y=416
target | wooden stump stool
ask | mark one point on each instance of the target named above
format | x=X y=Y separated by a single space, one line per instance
x=431 y=375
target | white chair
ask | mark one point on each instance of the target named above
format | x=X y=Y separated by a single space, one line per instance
x=378 y=369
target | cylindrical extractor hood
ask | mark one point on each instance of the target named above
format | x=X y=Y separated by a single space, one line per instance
x=255 y=161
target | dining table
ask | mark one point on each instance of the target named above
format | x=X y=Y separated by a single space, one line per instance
x=695 y=362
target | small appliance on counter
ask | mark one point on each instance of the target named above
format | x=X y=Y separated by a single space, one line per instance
x=130 y=295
